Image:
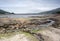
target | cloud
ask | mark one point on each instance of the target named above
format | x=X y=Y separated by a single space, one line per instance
x=26 y=6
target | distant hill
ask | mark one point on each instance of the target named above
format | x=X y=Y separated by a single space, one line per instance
x=5 y=12
x=54 y=11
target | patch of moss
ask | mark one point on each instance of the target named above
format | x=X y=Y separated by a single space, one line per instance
x=7 y=35
x=30 y=36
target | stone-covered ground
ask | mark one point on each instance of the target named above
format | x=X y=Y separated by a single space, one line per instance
x=46 y=28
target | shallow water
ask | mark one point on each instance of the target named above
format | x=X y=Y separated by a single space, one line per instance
x=17 y=16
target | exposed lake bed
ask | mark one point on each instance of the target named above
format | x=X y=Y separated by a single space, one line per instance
x=35 y=25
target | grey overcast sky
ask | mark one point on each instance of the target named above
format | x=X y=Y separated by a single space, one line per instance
x=29 y=6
